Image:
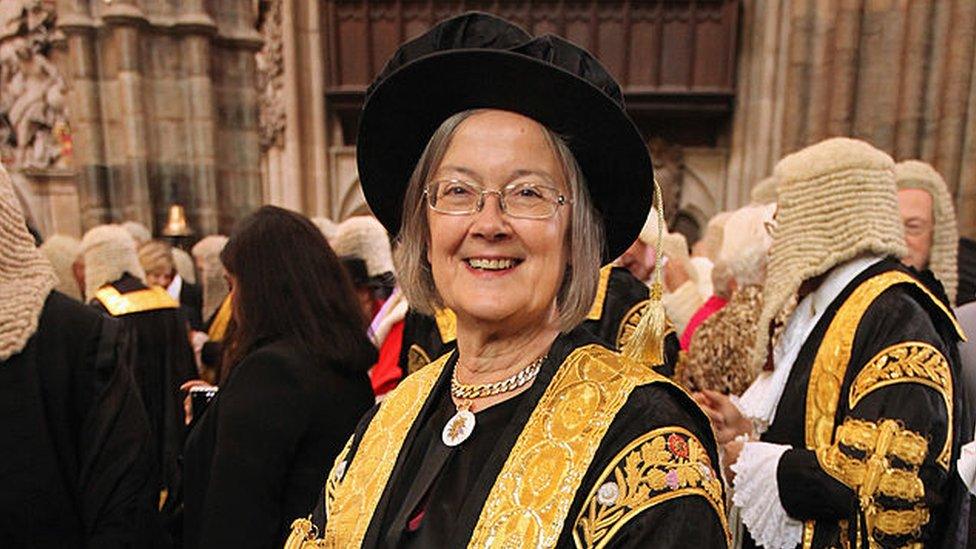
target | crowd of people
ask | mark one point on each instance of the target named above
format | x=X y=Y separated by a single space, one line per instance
x=513 y=351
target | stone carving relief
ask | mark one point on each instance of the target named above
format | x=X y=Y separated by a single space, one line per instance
x=271 y=68
x=669 y=163
x=34 y=131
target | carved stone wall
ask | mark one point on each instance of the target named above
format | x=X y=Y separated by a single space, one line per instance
x=34 y=132
x=900 y=74
x=164 y=109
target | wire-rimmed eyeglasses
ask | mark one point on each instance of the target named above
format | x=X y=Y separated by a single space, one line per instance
x=524 y=200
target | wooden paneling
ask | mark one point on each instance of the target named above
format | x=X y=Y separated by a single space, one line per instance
x=667 y=54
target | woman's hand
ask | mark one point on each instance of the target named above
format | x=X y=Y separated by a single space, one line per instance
x=187 y=406
x=726 y=418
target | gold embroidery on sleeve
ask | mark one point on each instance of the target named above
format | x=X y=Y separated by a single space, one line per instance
x=877 y=474
x=661 y=465
x=910 y=362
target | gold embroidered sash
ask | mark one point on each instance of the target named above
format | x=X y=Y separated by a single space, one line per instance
x=359 y=491
x=832 y=359
x=530 y=500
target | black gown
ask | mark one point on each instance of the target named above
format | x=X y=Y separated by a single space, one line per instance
x=156 y=342
x=441 y=496
x=74 y=438
x=902 y=378
x=259 y=454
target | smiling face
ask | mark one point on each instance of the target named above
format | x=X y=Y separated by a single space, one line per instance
x=488 y=266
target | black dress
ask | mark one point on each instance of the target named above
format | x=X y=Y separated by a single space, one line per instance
x=74 y=439
x=650 y=482
x=261 y=451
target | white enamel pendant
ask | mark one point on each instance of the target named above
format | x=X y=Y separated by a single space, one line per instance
x=459 y=428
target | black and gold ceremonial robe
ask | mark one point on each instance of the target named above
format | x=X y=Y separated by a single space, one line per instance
x=155 y=342
x=873 y=411
x=598 y=452
x=620 y=301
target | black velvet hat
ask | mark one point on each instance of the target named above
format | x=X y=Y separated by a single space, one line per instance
x=477 y=60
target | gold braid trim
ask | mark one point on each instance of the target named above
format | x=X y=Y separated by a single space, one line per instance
x=896 y=483
x=910 y=362
x=874 y=474
x=659 y=466
x=901 y=523
x=596 y=310
x=863 y=435
x=150 y=299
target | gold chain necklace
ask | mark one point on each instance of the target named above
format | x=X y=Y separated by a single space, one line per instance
x=469 y=392
x=461 y=425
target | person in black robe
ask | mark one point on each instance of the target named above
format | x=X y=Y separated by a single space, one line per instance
x=156 y=341
x=294 y=388
x=852 y=438
x=74 y=439
x=532 y=432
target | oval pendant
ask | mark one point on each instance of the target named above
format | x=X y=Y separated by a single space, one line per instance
x=459 y=428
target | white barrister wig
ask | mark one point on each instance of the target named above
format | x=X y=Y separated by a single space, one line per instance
x=110 y=252
x=364 y=237
x=26 y=276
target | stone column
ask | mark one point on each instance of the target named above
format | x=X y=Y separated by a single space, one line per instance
x=197 y=29
x=126 y=114
x=75 y=20
x=758 y=115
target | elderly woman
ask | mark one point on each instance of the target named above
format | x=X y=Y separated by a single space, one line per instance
x=530 y=434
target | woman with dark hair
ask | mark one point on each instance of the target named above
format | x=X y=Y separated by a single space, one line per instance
x=293 y=387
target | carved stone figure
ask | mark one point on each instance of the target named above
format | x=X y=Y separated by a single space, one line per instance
x=270 y=65
x=33 y=112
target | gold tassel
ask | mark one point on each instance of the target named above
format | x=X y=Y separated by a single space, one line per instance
x=646 y=345
x=303 y=535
